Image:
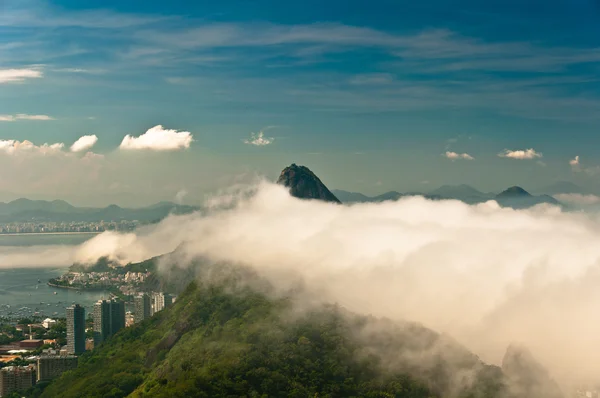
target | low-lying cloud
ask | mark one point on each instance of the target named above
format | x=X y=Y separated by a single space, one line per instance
x=525 y=154
x=158 y=139
x=486 y=275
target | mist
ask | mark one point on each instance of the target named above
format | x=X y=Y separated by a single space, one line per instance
x=485 y=275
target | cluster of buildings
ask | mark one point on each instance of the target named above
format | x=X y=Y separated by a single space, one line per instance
x=49 y=365
x=16 y=378
x=109 y=317
x=147 y=305
x=100 y=280
x=55 y=227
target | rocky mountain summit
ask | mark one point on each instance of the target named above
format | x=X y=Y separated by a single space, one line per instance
x=304 y=184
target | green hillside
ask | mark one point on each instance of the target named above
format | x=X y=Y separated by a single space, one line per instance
x=226 y=341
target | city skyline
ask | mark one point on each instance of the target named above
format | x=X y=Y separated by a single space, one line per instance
x=98 y=99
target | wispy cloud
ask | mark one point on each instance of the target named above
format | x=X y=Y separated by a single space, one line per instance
x=259 y=139
x=80 y=71
x=158 y=139
x=525 y=154
x=84 y=143
x=40 y=14
x=23 y=116
x=136 y=41
x=372 y=79
x=456 y=156
x=19 y=75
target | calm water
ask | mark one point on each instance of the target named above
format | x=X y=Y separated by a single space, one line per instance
x=19 y=287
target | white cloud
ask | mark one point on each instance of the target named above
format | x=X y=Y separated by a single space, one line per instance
x=574 y=162
x=24 y=116
x=520 y=154
x=25 y=146
x=158 y=139
x=18 y=75
x=259 y=139
x=455 y=156
x=84 y=143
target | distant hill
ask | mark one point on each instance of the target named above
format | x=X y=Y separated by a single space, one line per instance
x=25 y=210
x=517 y=197
x=463 y=192
x=512 y=197
x=22 y=205
x=304 y=184
x=350 y=197
x=526 y=376
x=355 y=197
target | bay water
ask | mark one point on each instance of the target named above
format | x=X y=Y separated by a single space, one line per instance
x=24 y=291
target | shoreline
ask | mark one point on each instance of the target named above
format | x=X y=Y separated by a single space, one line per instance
x=81 y=289
x=63 y=287
x=53 y=233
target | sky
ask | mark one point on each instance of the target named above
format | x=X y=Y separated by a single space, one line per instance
x=173 y=100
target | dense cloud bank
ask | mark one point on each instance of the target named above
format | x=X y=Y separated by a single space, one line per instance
x=486 y=275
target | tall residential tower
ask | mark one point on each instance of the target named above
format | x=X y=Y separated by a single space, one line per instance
x=142 y=307
x=109 y=318
x=75 y=329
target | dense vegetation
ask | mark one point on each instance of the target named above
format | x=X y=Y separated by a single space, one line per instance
x=219 y=341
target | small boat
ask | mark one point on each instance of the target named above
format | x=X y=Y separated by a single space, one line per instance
x=39 y=281
x=54 y=293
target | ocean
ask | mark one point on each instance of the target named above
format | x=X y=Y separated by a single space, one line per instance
x=20 y=293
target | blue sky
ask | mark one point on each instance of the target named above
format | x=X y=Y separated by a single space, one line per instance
x=373 y=96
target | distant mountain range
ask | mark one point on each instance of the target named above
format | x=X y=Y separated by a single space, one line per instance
x=26 y=210
x=302 y=183
x=515 y=197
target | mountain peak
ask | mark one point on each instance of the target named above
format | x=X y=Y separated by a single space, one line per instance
x=304 y=184
x=526 y=376
x=514 y=192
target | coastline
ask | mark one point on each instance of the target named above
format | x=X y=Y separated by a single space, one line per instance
x=53 y=233
x=63 y=287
